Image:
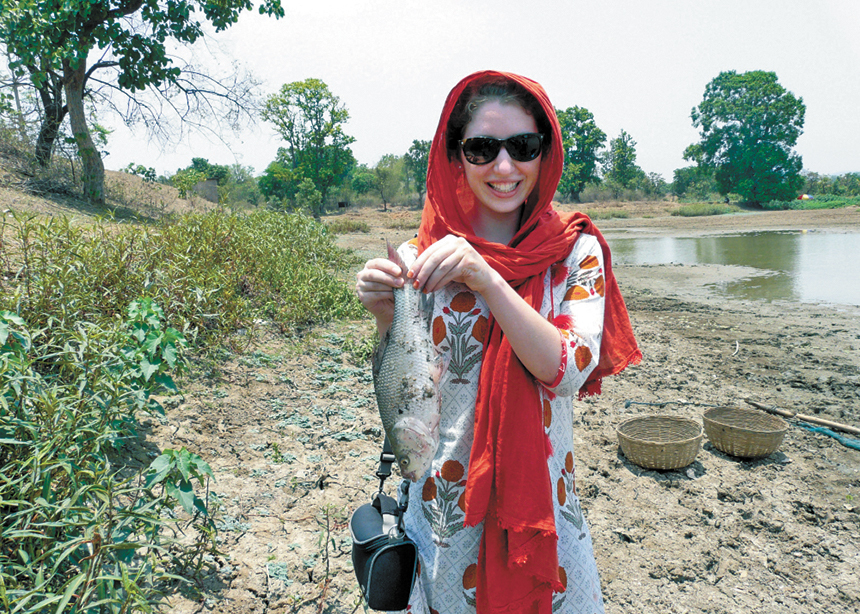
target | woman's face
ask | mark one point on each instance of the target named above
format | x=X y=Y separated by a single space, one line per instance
x=502 y=185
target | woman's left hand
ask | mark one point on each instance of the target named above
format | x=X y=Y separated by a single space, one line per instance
x=452 y=258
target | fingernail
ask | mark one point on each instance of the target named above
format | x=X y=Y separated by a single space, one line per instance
x=410 y=274
x=415 y=284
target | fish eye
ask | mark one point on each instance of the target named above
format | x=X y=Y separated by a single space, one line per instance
x=404 y=462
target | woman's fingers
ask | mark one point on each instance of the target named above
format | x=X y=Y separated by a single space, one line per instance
x=450 y=259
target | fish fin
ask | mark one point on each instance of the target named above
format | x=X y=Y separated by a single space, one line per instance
x=376 y=357
x=426 y=303
x=395 y=257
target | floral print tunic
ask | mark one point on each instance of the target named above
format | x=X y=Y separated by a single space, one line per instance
x=573 y=301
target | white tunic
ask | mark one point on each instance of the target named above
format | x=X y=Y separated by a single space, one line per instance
x=573 y=300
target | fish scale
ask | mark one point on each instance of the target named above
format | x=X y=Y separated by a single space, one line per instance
x=406 y=373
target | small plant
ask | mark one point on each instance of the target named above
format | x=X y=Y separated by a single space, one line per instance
x=700 y=209
x=346 y=226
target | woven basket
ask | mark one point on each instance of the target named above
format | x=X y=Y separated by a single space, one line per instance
x=660 y=442
x=745 y=433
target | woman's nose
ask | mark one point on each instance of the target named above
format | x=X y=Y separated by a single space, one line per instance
x=504 y=163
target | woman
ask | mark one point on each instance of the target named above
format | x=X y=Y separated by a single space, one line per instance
x=527 y=313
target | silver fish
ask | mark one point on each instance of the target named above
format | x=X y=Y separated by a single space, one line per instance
x=406 y=373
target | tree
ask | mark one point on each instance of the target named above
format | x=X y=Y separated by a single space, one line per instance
x=363 y=179
x=388 y=172
x=582 y=141
x=694 y=181
x=415 y=163
x=748 y=126
x=310 y=119
x=53 y=39
x=619 y=166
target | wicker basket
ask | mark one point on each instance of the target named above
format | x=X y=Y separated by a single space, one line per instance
x=745 y=433
x=660 y=442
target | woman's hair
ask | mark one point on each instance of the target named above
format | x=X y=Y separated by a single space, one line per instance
x=502 y=91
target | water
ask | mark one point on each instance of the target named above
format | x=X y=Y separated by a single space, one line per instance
x=806 y=267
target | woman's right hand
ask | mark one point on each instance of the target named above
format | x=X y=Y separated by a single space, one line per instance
x=374 y=285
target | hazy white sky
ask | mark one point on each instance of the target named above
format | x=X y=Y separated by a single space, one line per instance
x=636 y=65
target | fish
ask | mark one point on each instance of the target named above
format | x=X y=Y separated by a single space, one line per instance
x=407 y=369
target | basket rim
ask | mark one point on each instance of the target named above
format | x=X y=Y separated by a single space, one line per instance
x=665 y=417
x=708 y=418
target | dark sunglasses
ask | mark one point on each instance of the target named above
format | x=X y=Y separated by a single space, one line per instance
x=484 y=149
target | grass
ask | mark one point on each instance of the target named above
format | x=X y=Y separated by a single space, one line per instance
x=818 y=201
x=95 y=319
x=605 y=214
x=342 y=226
x=700 y=209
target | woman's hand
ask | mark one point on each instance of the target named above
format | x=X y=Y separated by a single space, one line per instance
x=535 y=341
x=450 y=259
x=374 y=285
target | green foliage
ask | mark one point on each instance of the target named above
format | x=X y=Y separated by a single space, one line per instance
x=606 y=214
x=388 y=172
x=342 y=226
x=820 y=201
x=415 y=165
x=837 y=185
x=363 y=179
x=211 y=274
x=185 y=180
x=218 y=172
x=694 y=182
x=308 y=198
x=147 y=174
x=52 y=40
x=582 y=141
x=701 y=209
x=76 y=531
x=310 y=120
x=619 y=165
x=748 y=126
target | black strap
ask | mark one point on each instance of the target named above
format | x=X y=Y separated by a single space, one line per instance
x=386 y=459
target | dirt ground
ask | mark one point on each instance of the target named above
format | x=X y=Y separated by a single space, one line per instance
x=291 y=432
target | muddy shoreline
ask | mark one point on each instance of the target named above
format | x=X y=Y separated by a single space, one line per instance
x=291 y=432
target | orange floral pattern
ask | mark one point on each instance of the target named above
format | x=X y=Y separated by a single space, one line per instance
x=465 y=324
x=444 y=509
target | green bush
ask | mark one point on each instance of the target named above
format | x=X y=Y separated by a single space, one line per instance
x=81 y=528
x=819 y=201
x=700 y=209
x=342 y=226
x=212 y=273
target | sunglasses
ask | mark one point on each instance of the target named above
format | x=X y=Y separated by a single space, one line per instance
x=484 y=149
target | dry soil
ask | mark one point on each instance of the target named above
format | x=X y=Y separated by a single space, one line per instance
x=291 y=432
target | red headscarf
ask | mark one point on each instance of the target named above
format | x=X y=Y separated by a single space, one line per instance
x=509 y=486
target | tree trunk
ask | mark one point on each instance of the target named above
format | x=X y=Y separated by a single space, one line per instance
x=93 y=176
x=55 y=113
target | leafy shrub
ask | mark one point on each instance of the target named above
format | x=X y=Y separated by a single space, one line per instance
x=819 y=201
x=80 y=528
x=212 y=273
x=606 y=214
x=342 y=226
x=700 y=209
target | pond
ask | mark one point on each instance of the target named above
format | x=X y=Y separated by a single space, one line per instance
x=815 y=267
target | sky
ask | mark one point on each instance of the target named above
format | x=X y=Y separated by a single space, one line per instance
x=636 y=65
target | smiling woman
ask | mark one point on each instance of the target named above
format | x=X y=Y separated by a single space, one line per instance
x=526 y=313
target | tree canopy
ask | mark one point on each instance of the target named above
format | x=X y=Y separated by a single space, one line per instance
x=55 y=37
x=416 y=161
x=310 y=119
x=582 y=141
x=748 y=126
x=619 y=165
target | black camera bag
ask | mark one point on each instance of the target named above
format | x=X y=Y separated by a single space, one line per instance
x=384 y=558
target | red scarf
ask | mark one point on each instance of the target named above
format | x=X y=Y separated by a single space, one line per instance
x=509 y=486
